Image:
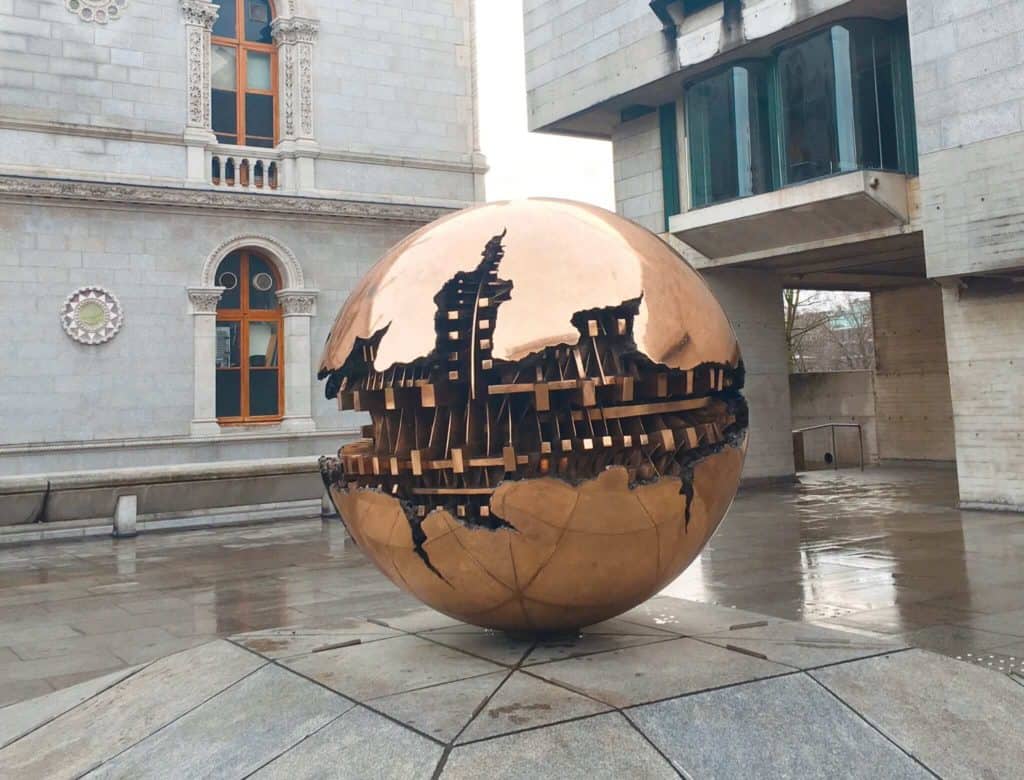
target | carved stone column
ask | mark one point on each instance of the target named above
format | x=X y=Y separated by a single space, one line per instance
x=295 y=37
x=204 y=325
x=298 y=308
x=198 y=16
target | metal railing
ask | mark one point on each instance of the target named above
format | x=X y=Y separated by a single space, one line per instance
x=833 y=426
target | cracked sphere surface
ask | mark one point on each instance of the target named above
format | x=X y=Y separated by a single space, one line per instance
x=556 y=423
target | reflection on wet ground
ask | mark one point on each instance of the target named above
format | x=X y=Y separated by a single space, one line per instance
x=881 y=551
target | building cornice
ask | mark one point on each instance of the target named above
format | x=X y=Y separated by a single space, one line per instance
x=174 y=139
x=32 y=189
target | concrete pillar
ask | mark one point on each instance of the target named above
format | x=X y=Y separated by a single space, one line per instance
x=125 y=516
x=914 y=415
x=753 y=302
x=298 y=307
x=204 y=326
x=984 y=325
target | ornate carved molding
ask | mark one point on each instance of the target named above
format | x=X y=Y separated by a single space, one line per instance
x=130 y=195
x=199 y=13
x=199 y=17
x=298 y=302
x=204 y=299
x=91 y=315
x=99 y=11
x=295 y=37
x=296 y=29
x=278 y=253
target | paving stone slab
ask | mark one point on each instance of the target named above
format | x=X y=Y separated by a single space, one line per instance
x=559 y=648
x=959 y=719
x=421 y=620
x=524 y=702
x=497 y=646
x=689 y=618
x=786 y=727
x=441 y=711
x=597 y=747
x=359 y=745
x=638 y=675
x=288 y=642
x=801 y=645
x=365 y=672
x=17 y=720
x=235 y=732
x=120 y=716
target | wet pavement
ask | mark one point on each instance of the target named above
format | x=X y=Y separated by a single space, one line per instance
x=882 y=553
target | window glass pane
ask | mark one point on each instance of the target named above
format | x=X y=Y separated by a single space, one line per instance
x=263 y=399
x=224 y=115
x=262 y=284
x=262 y=344
x=875 y=97
x=229 y=393
x=224 y=27
x=257 y=70
x=227 y=276
x=223 y=70
x=730 y=151
x=228 y=344
x=257 y=21
x=259 y=117
x=807 y=86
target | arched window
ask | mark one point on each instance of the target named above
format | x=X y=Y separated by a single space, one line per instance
x=250 y=382
x=244 y=74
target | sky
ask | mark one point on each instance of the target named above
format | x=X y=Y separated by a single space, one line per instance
x=524 y=164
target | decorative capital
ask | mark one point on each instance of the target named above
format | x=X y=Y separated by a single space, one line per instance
x=298 y=302
x=296 y=29
x=204 y=299
x=199 y=13
x=99 y=11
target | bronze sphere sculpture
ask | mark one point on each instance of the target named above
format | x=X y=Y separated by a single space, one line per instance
x=557 y=427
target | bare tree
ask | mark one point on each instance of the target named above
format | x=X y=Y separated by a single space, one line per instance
x=806 y=313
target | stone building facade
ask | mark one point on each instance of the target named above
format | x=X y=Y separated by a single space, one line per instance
x=872 y=145
x=191 y=189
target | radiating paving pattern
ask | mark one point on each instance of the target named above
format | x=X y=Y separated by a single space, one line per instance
x=882 y=551
x=672 y=688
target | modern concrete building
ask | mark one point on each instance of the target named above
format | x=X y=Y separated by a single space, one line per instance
x=870 y=145
x=188 y=190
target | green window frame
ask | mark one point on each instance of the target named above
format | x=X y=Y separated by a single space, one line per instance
x=835 y=100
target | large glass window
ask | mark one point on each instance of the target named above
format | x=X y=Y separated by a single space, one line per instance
x=836 y=101
x=844 y=103
x=248 y=346
x=730 y=139
x=244 y=74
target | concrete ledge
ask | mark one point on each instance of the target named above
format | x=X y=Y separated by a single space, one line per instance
x=990 y=507
x=101 y=527
x=160 y=490
x=843 y=205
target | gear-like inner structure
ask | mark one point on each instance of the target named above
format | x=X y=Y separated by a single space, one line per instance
x=449 y=428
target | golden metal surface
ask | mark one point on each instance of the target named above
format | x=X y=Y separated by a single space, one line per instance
x=562 y=258
x=557 y=427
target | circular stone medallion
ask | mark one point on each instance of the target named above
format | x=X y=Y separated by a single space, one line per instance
x=91 y=315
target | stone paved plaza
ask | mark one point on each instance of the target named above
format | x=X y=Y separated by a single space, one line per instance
x=673 y=688
x=881 y=552
x=278 y=649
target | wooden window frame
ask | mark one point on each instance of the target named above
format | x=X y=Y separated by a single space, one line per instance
x=244 y=315
x=242 y=47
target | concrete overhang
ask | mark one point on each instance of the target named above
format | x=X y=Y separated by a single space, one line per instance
x=845 y=205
